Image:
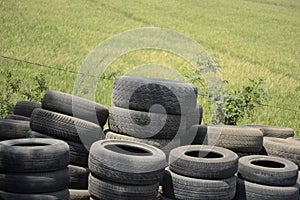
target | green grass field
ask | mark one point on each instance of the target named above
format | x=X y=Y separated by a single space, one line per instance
x=247 y=38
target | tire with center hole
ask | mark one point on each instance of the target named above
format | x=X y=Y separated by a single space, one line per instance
x=251 y=191
x=288 y=149
x=33 y=155
x=138 y=93
x=25 y=108
x=203 y=161
x=180 y=187
x=268 y=170
x=127 y=162
x=35 y=182
x=65 y=127
x=141 y=124
x=103 y=189
x=13 y=129
x=75 y=106
x=59 y=195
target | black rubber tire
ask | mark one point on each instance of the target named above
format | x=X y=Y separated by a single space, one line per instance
x=138 y=93
x=203 y=161
x=159 y=143
x=33 y=155
x=127 y=162
x=65 y=127
x=268 y=170
x=235 y=138
x=59 y=195
x=34 y=183
x=288 y=149
x=79 y=195
x=274 y=131
x=251 y=191
x=75 y=106
x=13 y=129
x=243 y=154
x=25 y=108
x=107 y=190
x=78 y=177
x=180 y=187
x=141 y=124
x=17 y=117
x=194 y=118
x=34 y=134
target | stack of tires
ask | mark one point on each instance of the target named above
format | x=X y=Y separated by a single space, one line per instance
x=34 y=169
x=23 y=110
x=242 y=140
x=200 y=172
x=154 y=111
x=76 y=121
x=266 y=177
x=125 y=170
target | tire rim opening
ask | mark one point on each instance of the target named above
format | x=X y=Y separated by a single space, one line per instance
x=203 y=154
x=268 y=164
x=128 y=150
x=31 y=144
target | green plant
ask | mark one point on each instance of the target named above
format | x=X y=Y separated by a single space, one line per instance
x=36 y=93
x=243 y=102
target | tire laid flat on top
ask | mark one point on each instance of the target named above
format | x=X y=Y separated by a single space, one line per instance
x=203 y=161
x=34 y=183
x=251 y=191
x=138 y=93
x=180 y=187
x=13 y=129
x=235 y=138
x=25 y=108
x=274 y=131
x=268 y=170
x=59 y=195
x=284 y=148
x=65 y=127
x=146 y=125
x=75 y=106
x=103 y=189
x=33 y=155
x=127 y=162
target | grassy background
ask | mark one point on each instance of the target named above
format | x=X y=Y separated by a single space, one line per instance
x=248 y=38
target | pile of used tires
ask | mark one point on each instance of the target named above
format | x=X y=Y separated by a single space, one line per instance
x=155 y=148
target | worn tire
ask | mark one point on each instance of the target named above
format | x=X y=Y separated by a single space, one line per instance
x=59 y=195
x=141 y=124
x=194 y=118
x=138 y=93
x=13 y=129
x=33 y=155
x=34 y=183
x=17 y=117
x=127 y=162
x=78 y=177
x=75 y=106
x=251 y=191
x=268 y=170
x=25 y=108
x=274 y=131
x=180 y=187
x=65 y=127
x=238 y=139
x=288 y=149
x=79 y=195
x=101 y=189
x=202 y=161
x=34 y=134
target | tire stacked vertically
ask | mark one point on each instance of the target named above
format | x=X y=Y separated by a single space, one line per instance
x=34 y=169
x=125 y=170
x=242 y=140
x=200 y=172
x=266 y=177
x=76 y=121
x=153 y=111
